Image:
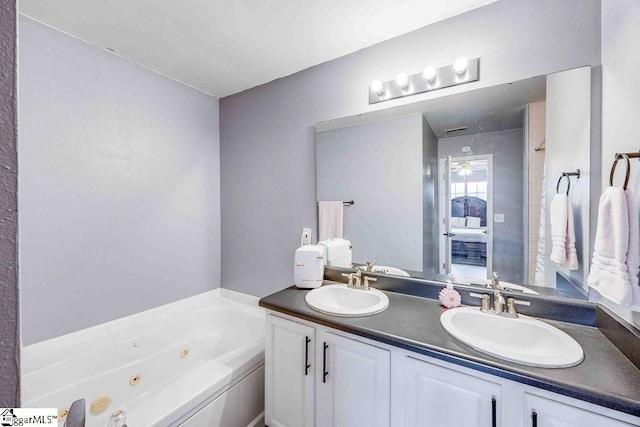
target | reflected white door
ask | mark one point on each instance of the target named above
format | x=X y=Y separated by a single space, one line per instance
x=466 y=212
x=445 y=216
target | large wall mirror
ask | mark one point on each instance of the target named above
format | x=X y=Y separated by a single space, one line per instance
x=460 y=186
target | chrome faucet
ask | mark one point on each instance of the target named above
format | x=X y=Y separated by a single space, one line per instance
x=495 y=281
x=499 y=304
x=358 y=281
x=370 y=265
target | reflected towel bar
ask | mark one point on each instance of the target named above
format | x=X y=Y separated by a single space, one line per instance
x=349 y=203
x=567 y=175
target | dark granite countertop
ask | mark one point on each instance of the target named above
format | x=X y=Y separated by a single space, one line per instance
x=605 y=377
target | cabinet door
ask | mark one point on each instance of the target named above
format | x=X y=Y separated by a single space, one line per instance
x=353 y=383
x=289 y=373
x=438 y=397
x=542 y=412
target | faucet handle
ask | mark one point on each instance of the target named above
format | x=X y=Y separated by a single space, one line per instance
x=486 y=300
x=511 y=306
x=350 y=277
x=368 y=279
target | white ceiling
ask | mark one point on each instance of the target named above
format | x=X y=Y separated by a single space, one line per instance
x=225 y=46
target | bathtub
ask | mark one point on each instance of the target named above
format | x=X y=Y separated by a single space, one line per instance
x=195 y=362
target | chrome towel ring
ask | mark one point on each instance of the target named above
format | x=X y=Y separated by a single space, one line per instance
x=567 y=175
x=627 y=173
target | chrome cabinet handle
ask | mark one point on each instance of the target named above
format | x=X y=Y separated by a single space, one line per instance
x=307 y=340
x=324 y=363
x=493 y=412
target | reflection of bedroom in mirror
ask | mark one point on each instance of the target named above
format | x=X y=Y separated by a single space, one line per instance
x=466 y=203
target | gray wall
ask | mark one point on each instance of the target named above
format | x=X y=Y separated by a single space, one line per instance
x=9 y=326
x=379 y=166
x=119 y=186
x=267 y=133
x=508 y=237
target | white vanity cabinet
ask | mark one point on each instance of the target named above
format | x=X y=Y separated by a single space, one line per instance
x=318 y=376
x=348 y=386
x=289 y=373
x=437 y=396
x=353 y=385
x=543 y=412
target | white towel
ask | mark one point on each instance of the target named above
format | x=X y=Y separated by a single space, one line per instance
x=330 y=220
x=609 y=273
x=540 y=258
x=633 y=253
x=558 y=220
x=571 y=259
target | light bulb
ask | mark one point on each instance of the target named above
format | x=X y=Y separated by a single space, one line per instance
x=429 y=73
x=376 y=86
x=460 y=65
x=402 y=80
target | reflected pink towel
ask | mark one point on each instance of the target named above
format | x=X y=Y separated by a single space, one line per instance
x=330 y=219
x=571 y=261
x=558 y=220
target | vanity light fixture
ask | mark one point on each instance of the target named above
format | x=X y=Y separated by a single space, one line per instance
x=376 y=86
x=460 y=66
x=430 y=73
x=462 y=71
x=402 y=80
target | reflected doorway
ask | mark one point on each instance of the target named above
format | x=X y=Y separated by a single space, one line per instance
x=466 y=210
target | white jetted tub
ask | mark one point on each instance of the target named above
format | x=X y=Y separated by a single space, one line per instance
x=195 y=362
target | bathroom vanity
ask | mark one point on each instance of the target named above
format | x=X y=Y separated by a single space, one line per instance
x=401 y=368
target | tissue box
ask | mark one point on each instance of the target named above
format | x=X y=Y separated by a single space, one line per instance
x=337 y=252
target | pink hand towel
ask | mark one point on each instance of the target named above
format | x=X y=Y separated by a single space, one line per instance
x=330 y=219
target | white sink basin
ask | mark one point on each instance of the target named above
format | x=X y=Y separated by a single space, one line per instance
x=339 y=300
x=523 y=340
x=386 y=270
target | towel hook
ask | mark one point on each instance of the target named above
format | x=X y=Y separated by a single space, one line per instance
x=613 y=170
x=560 y=180
x=567 y=175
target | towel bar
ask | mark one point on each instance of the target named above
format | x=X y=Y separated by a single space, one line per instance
x=349 y=203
